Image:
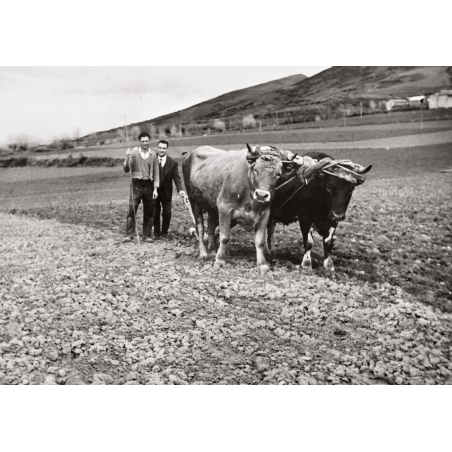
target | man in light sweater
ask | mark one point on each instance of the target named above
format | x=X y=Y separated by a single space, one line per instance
x=145 y=181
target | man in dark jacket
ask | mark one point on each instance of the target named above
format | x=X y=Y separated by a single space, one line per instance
x=169 y=172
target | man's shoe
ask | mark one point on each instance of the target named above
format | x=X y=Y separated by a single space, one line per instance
x=127 y=239
x=147 y=239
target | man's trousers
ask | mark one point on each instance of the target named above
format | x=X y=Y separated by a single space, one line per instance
x=141 y=191
x=163 y=206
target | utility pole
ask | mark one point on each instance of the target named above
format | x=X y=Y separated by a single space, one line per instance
x=277 y=118
x=260 y=125
x=361 y=109
x=180 y=130
x=422 y=122
x=345 y=120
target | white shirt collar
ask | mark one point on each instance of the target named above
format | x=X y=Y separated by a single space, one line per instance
x=162 y=159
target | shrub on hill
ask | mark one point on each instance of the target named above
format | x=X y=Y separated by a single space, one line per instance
x=248 y=122
x=219 y=125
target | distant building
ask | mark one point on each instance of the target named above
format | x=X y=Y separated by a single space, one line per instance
x=396 y=104
x=408 y=103
x=416 y=101
x=443 y=99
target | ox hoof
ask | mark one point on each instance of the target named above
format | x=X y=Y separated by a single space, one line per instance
x=203 y=256
x=219 y=264
x=264 y=269
x=328 y=265
x=307 y=266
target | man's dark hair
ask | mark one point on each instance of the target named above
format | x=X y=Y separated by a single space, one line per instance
x=163 y=142
x=143 y=135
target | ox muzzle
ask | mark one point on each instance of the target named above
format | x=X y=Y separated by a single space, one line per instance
x=337 y=216
x=261 y=195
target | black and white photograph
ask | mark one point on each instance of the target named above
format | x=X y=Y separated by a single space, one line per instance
x=225 y=225
x=307 y=239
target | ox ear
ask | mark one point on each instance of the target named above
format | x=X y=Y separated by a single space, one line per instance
x=251 y=150
x=289 y=162
x=288 y=156
x=256 y=152
x=253 y=154
x=321 y=175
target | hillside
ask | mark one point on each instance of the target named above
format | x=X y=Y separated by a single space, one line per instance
x=299 y=99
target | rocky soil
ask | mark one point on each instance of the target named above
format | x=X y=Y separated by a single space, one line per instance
x=79 y=308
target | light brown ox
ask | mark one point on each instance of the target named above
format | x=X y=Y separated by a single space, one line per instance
x=234 y=187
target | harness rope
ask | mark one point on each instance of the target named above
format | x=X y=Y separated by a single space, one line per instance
x=187 y=203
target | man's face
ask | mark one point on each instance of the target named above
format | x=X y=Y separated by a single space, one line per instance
x=144 y=142
x=162 y=149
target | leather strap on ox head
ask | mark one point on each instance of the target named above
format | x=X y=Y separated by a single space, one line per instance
x=341 y=169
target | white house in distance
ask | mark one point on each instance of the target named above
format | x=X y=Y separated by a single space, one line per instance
x=394 y=104
x=405 y=103
x=443 y=99
x=416 y=101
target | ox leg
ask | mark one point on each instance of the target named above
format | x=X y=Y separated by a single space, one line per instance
x=308 y=241
x=212 y=223
x=197 y=213
x=259 y=239
x=225 y=237
x=328 y=242
x=268 y=243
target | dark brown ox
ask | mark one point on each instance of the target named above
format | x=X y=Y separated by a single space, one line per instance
x=234 y=187
x=319 y=205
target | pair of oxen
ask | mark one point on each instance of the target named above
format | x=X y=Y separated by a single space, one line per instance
x=261 y=186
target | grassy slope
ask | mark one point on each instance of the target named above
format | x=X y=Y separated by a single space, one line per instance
x=337 y=84
x=228 y=103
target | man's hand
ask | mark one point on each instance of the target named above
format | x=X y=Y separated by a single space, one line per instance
x=155 y=194
x=182 y=194
x=128 y=152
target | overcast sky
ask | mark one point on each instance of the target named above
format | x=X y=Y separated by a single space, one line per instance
x=48 y=102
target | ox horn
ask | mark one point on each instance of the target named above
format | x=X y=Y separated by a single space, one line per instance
x=361 y=170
